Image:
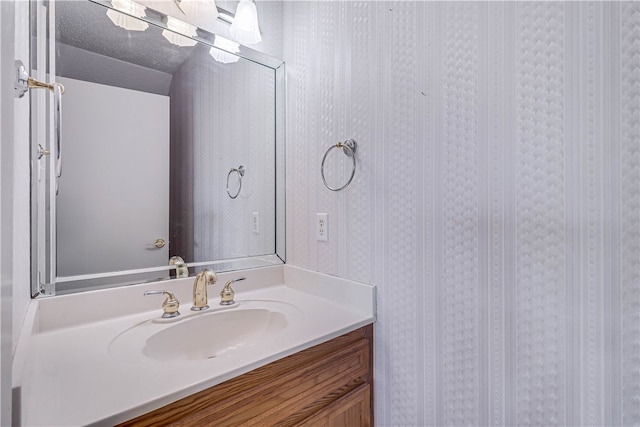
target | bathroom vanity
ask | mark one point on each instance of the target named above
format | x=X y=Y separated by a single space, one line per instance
x=296 y=348
x=328 y=384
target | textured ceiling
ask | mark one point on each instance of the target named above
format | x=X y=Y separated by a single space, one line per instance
x=85 y=25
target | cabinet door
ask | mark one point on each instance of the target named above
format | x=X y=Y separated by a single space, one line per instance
x=354 y=409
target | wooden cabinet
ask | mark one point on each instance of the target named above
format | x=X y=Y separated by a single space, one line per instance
x=330 y=384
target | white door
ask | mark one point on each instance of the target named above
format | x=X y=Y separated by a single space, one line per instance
x=115 y=168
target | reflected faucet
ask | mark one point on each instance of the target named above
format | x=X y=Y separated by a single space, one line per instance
x=181 y=267
x=200 y=299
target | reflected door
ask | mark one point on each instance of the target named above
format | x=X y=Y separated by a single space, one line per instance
x=124 y=139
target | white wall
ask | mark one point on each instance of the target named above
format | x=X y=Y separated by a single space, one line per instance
x=6 y=214
x=496 y=204
x=14 y=251
x=22 y=189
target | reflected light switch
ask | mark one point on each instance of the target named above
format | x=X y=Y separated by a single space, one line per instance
x=255 y=223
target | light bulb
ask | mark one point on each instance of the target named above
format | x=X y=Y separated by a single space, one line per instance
x=125 y=21
x=244 y=28
x=228 y=46
x=182 y=28
x=199 y=9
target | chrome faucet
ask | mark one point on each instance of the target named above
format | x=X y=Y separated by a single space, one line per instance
x=200 y=300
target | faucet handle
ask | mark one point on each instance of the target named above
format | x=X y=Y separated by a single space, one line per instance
x=169 y=306
x=227 y=294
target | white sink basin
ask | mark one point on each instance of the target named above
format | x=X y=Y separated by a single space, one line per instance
x=208 y=335
x=213 y=335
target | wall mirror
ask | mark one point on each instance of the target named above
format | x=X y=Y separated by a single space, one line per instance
x=172 y=144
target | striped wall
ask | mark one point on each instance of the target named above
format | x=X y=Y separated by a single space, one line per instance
x=222 y=117
x=496 y=203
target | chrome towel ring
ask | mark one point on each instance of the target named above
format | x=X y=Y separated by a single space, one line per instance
x=240 y=171
x=349 y=148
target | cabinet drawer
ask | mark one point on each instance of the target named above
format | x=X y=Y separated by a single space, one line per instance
x=353 y=409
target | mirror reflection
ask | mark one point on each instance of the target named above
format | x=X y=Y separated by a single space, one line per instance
x=169 y=149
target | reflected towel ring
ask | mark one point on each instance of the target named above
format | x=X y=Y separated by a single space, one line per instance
x=349 y=148
x=240 y=171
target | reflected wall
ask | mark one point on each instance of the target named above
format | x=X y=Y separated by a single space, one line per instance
x=214 y=130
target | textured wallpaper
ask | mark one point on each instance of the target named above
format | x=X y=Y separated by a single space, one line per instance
x=222 y=116
x=496 y=203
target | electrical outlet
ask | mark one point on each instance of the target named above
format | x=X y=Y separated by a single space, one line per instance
x=322 y=230
x=255 y=222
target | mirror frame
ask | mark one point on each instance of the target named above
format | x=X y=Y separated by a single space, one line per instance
x=43 y=219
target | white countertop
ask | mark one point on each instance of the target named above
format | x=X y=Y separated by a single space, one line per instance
x=68 y=376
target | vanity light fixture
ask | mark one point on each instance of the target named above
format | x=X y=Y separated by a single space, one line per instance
x=182 y=28
x=244 y=28
x=122 y=20
x=224 y=47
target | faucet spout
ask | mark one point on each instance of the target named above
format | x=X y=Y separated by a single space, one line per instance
x=200 y=299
